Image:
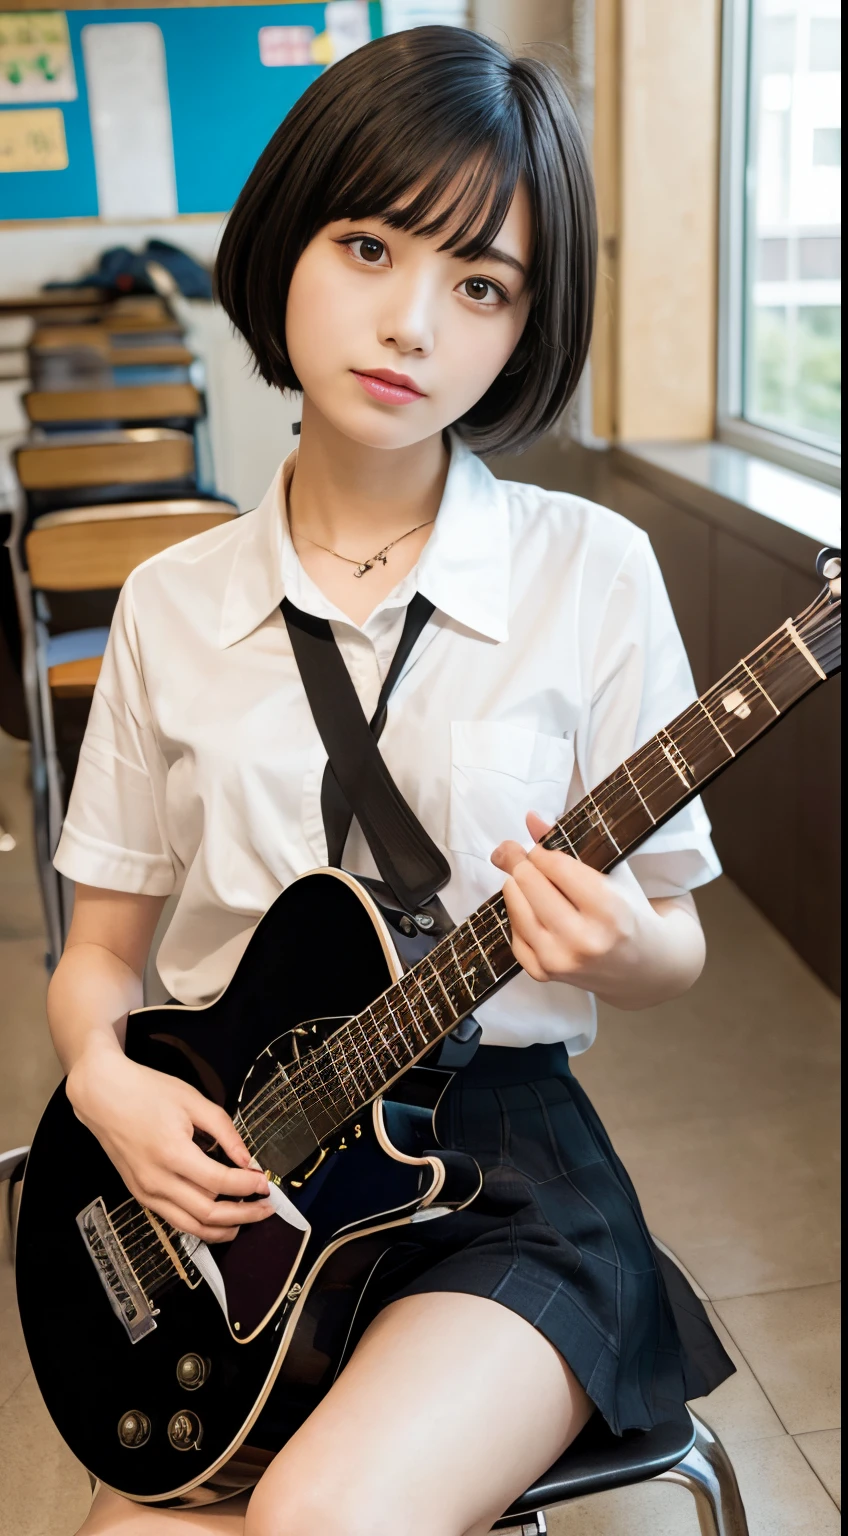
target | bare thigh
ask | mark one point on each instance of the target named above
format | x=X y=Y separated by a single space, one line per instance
x=449 y=1408
x=110 y=1515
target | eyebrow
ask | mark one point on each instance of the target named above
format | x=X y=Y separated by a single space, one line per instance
x=494 y=254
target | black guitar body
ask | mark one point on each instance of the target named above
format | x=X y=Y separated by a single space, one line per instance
x=294 y=1301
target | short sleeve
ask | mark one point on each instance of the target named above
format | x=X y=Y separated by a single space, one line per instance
x=114 y=832
x=640 y=679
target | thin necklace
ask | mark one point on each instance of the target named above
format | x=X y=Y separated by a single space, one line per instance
x=367 y=565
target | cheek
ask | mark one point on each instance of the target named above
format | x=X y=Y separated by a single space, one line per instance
x=316 y=315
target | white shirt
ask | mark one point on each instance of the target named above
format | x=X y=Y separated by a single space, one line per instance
x=552 y=654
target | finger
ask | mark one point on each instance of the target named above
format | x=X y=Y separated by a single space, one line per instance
x=537 y=827
x=183 y=1221
x=507 y=855
x=209 y=1212
x=585 y=887
x=210 y=1174
x=528 y=935
x=554 y=910
x=212 y=1118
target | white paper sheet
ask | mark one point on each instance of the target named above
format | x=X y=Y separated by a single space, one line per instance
x=130 y=120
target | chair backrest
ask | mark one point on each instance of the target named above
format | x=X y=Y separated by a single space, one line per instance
x=137 y=402
x=15 y=330
x=119 y=351
x=136 y=456
x=95 y=548
x=43 y=298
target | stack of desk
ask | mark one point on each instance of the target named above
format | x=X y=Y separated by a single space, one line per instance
x=101 y=412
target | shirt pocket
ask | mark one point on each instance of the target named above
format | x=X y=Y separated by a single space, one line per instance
x=500 y=772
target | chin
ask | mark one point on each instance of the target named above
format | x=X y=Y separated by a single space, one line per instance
x=384 y=428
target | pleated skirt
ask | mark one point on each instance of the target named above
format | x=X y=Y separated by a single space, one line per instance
x=558 y=1236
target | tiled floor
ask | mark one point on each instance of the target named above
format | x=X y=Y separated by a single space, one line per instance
x=723 y=1106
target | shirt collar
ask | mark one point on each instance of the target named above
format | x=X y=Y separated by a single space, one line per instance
x=463 y=570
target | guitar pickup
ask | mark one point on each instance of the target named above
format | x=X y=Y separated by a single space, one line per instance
x=126 y=1297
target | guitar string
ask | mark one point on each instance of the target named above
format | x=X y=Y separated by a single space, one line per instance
x=708 y=730
x=139 y=1219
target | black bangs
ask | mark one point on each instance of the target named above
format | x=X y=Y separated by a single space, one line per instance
x=429 y=130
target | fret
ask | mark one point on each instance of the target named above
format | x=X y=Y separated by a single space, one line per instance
x=716 y=728
x=758 y=684
x=470 y=927
x=460 y=969
x=366 y=1037
x=416 y=1023
x=804 y=650
x=670 y=748
x=359 y=1059
x=377 y=1025
x=351 y=1102
x=604 y=826
x=503 y=929
x=448 y=998
x=418 y=983
x=638 y=792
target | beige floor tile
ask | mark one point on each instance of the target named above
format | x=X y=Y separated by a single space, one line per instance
x=14 y=1362
x=738 y=1410
x=823 y=1450
x=651 y=1509
x=749 y=1202
x=790 y=1339
x=45 y=1490
x=757 y=1031
x=781 y=1494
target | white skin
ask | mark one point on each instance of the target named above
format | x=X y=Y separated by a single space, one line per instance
x=451 y=1405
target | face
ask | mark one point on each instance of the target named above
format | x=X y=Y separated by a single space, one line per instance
x=393 y=339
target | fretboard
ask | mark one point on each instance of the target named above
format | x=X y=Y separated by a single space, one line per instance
x=364 y=1056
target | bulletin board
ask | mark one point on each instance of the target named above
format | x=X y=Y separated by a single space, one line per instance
x=231 y=74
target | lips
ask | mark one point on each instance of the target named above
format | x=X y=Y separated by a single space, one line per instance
x=389 y=387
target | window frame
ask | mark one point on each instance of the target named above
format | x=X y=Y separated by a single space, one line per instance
x=731 y=425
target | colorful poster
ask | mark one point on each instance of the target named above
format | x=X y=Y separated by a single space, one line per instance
x=36 y=63
x=33 y=140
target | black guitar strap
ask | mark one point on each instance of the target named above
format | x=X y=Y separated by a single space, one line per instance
x=356 y=779
x=358 y=783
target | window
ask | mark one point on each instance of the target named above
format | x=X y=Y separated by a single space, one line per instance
x=781 y=302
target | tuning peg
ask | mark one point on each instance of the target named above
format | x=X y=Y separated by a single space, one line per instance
x=829 y=563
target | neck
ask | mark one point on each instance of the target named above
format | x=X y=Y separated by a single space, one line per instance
x=348 y=494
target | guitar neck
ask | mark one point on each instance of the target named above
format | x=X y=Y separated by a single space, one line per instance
x=475 y=960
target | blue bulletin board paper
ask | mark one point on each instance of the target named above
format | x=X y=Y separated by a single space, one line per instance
x=225 y=105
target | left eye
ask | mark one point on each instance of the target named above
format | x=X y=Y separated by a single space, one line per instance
x=367 y=248
x=481 y=290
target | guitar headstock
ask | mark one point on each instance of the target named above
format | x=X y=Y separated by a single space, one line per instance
x=820 y=625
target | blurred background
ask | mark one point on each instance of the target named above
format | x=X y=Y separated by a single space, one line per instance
x=709 y=414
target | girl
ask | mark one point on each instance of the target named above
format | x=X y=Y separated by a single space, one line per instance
x=415 y=252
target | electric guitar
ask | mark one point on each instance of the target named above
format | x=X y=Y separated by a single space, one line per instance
x=175 y=1371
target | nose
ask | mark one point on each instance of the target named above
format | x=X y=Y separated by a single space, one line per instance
x=407 y=320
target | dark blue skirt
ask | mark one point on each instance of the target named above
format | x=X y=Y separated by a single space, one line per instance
x=557 y=1235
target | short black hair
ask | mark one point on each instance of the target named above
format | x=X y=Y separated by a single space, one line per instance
x=387 y=133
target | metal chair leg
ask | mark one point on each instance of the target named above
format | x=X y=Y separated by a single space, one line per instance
x=708 y=1474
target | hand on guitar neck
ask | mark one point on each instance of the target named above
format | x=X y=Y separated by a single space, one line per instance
x=599 y=932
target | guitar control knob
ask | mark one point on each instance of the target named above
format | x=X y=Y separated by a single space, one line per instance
x=192 y=1371
x=133 y=1429
x=184 y=1431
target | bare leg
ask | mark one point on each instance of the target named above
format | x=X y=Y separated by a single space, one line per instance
x=449 y=1408
x=110 y=1515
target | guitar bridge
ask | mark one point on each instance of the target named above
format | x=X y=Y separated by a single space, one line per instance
x=126 y=1297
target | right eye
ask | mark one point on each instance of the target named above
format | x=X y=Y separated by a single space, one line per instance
x=367 y=248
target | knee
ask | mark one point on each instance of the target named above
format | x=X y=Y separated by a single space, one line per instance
x=326 y=1511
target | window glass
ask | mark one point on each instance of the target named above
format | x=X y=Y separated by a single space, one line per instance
x=793 y=296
